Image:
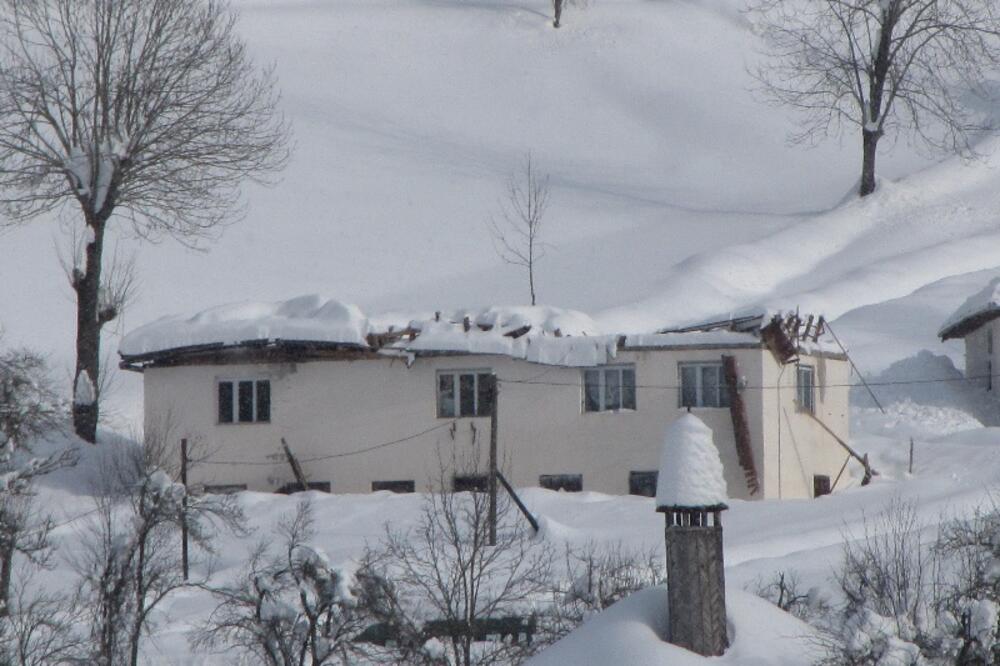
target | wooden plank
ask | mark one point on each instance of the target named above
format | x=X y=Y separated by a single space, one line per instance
x=741 y=429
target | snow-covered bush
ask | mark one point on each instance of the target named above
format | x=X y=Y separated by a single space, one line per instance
x=915 y=597
x=598 y=576
x=292 y=607
x=784 y=591
x=130 y=559
x=34 y=627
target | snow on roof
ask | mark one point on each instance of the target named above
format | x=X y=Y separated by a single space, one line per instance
x=538 y=334
x=306 y=318
x=690 y=467
x=974 y=312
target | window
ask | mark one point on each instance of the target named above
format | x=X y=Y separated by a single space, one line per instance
x=464 y=393
x=224 y=488
x=571 y=483
x=821 y=485
x=642 y=483
x=609 y=389
x=245 y=401
x=296 y=487
x=703 y=385
x=394 y=486
x=477 y=483
x=807 y=388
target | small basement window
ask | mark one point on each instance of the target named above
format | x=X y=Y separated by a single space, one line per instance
x=476 y=483
x=394 y=486
x=245 y=401
x=806 y=393
x=224 y=488
x=571 y=483
x=609 y=389
x=821 y=485
x=642 y=483
x=464 y=393
x=296 y=487
x=703 y=385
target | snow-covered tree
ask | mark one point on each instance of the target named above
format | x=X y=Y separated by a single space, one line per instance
x=292 y=607
x=882 y=67
x=131 y=557
x=148 y=112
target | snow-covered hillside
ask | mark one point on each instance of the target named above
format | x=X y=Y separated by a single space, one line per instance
x=674 y=193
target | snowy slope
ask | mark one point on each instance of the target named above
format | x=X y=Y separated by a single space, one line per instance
x=672 y=186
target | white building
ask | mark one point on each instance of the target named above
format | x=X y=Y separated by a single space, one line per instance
x=975 y=321
x=366 y=406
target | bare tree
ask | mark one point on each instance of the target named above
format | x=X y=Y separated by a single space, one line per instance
x=516 y=234
x=882 y=67
x=150 y=112
x=448 y=581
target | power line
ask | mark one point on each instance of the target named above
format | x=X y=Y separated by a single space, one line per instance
x=331 y=456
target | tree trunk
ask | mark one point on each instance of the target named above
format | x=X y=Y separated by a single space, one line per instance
x=6 y=565
x=869 y=142
x=557 y=6
x=88 y=330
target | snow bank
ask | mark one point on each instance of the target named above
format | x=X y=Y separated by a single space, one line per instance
x=986 y=300
x=690 y=467
x=309 y=317
x=631 y=632
x=659 y=340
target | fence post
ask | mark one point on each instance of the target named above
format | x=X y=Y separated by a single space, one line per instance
x=184 y=503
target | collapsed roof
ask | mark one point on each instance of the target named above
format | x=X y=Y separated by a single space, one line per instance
x=978 y=309
x=312 y=327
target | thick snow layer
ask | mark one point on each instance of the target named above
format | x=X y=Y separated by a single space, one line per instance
x=985 y=300
x=310 y=318
x=631 y=632
x=690 y=467
x=554 y=336
x=84 y=392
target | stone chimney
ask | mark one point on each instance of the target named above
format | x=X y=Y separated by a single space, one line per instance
x=691 y=493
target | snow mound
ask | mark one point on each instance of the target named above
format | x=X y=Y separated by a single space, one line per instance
x=631 y=632
x=690 y=467
x=982 y=304
x=310 y=317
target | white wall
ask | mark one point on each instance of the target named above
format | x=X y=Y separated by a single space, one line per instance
x=333 y=407
x=978 y=362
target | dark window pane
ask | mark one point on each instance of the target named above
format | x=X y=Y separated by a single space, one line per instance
x=628 y=388
x=591 y=391
x=709 y=386
x=689 y=386
x=446 y=395
x=225 y=402
x=612 y=389
x=393 y=486
x=264 y=401
x=467 y=395
x=246 y=402
x=821 y=485
x=470 y=483
x=485 y=387
x=642 y=483
x=571 y=483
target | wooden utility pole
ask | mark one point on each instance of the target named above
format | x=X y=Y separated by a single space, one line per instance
x=911 y=455
x=293 y=462
x=494 y=406
x=184 y=503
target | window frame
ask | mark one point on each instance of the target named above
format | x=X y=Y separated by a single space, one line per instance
x=722 y=387
x=805 y=401
x=602 y=382
x=569 y=483
x=478 y=411
x=234 y=396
